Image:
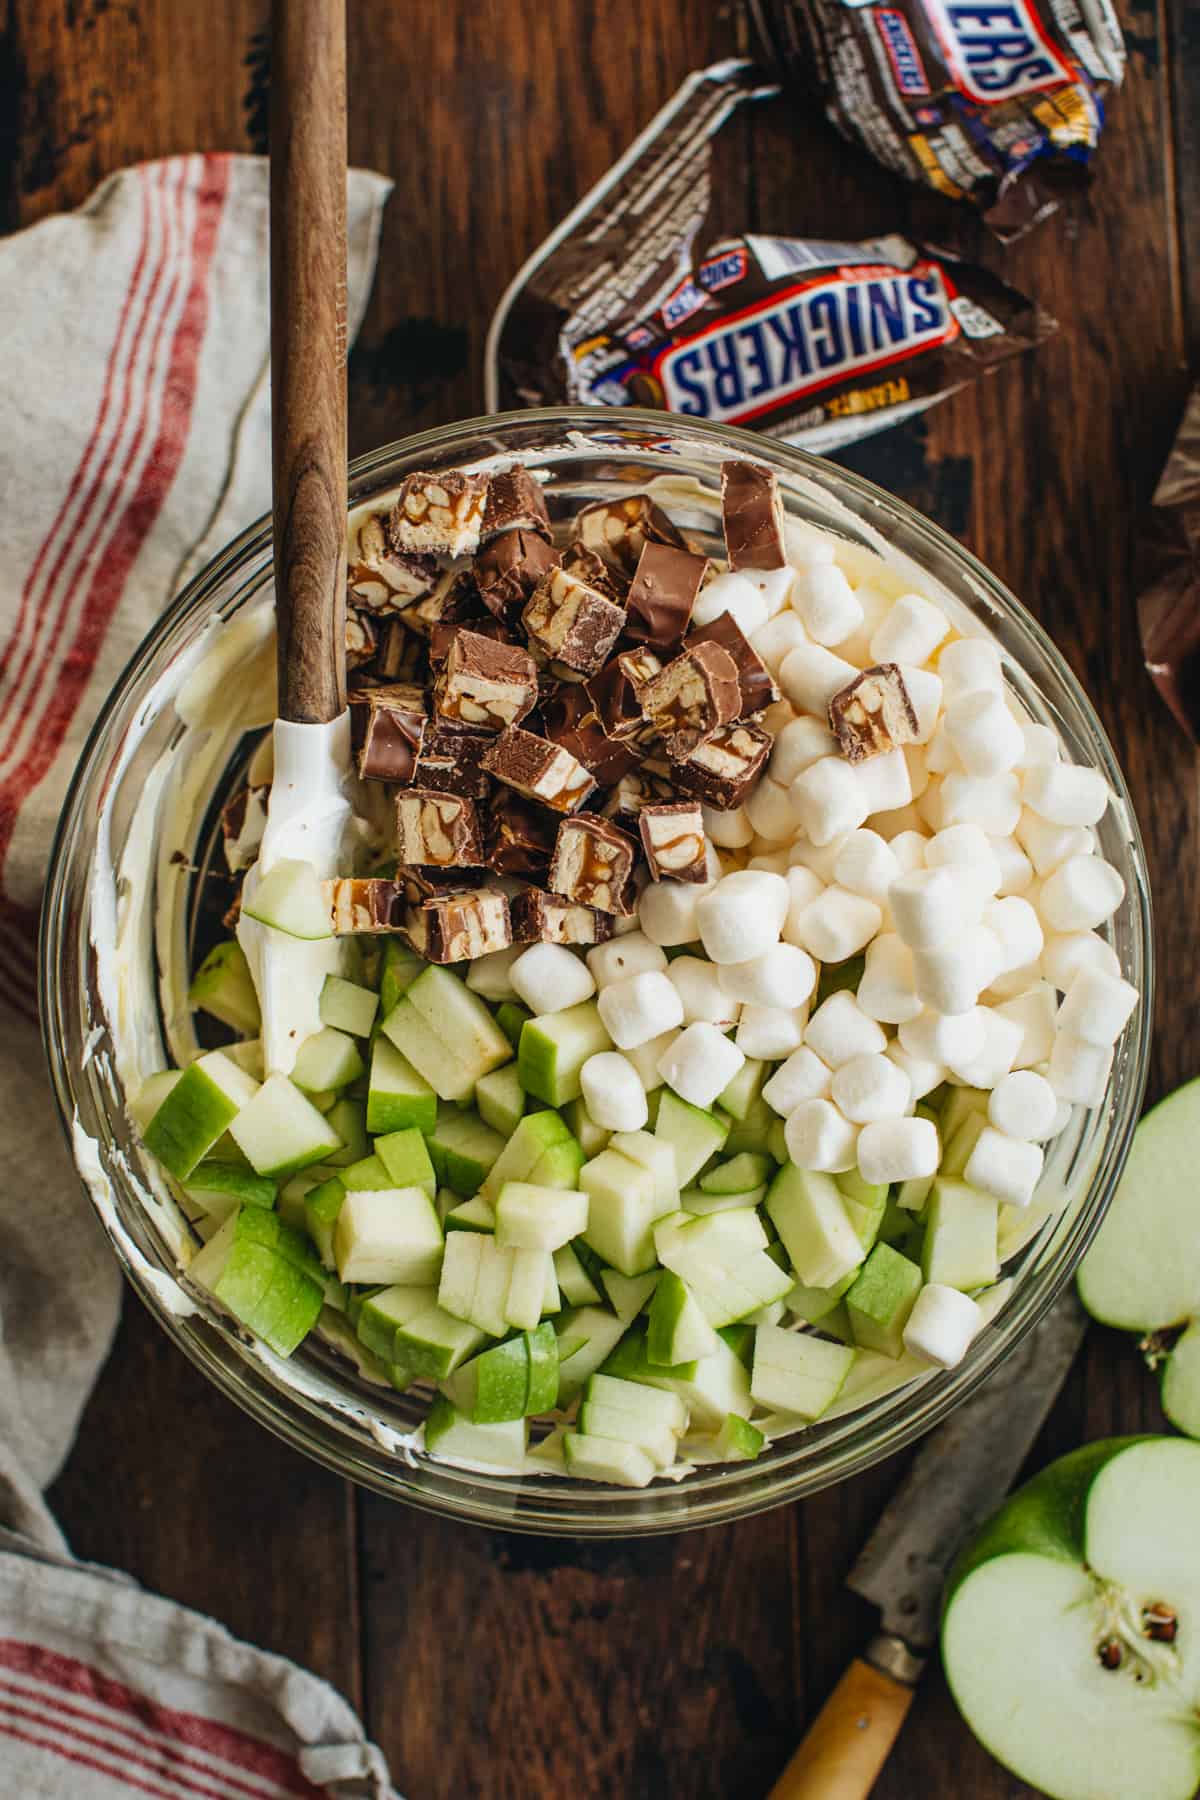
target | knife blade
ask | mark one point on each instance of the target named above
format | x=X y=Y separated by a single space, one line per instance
x=961 y=1474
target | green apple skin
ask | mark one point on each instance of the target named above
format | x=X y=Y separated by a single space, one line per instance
x=1065 y=1566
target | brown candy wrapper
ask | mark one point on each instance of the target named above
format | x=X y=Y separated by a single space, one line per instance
x=1169 y=609
x=818 y=343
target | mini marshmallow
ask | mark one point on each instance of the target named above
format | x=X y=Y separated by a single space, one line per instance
x=1065 y=955
x=1047 y=845
x=943 y=1038
x=969 y=665
x=829 y=800
x=887 y=991
x=819 y=858
x=840 y=1029
x=940 y=755
x=732 y=830
x=705 y=1000
x=966 y=847
x=902 y=821
x=909 y=849
x=932 y=907
x=867 y=866
x=898 y=1150
x=700 y=1064
x=775 y=640
x=1016 y=870
x=819 y=1138
x=826 y=602
x=1097 y=1008
x=667 y=912
x=549 y=978
x=923 y=1075
x=645 y=1058
x=769 y=810
x=803 y=887
x=918 y=774
x=1064 y=794
x=951 y=980
x=1080 y=894
x=802 y=1077
x=800 y=744
x=1035 y=1012
x=613 y=1092
x=810 y=676
x=991 y=801
x=837 y=924
x=1014 y=982
x=925 y=692
x=870 y=1087
x=996 y=1055
x=774 y=860
x=742 y=915
x=1023 y=1105
x=1005 y=1167
x=987 y=739
x=773 y=585
x=784 y=975
x=941 y=1325
x=910 y=632
x=769 y=1032
x=731 y=593
x=639 y=1008
x=622 y=957
x=885 y=781
x=1019 y=930
x=1078 y=1072
x=874 y=605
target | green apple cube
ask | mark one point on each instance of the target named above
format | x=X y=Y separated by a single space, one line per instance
x=198 y=1109
x=727 y=1291
x=461 y=1261
x=722 y=1237
x=961 y=1227
x=554 y=1048
x=488 y=975
x=268 y=1292
x=143 y=1105
x=407 y=1160
x=433 y=1343
x=587 y=1335
x=542 y=1349
x=327 y=1061
x=452 y=1436
x=382 y=1313
x=471 y=1215
x=388 y=1235
x=476 y=1276
x=434 y=1060
x=957 y=1148
x=865 y=1205
x=548 y=1454
x=623 y=1204
x=511 y=1018
x=589 y=1136
x=559 y=1165
x=224 y=987
x=347 y=1007
x=737 y=1441
x=500 y=1099
x=292 y=1195
x=289 y=1310
x=401 y=966
x=652 y=1154
x=462 y=1022
x=289 y=899
x=738 y=1175
x=397 y=1096
x=534 y=1136
x=220 y=1187
x=526 y=1287
x=692 y=1133
x=349 y=1119
x=493 y=1385
x=646 y=1405
x=742 y=1094
x=574 y=1283
x=812 y=1304
x=463 y=1150
x=797 y=1373
x=694 y=1200
x=628 y=1295
x=279 y=1130
x=370 y=1172
x=809 y=1212
x=712 y=1387
x=677 y=1330
x=598 y=1421
x=960 y=1104
x=751 y=1133
x=776 y=1145
x=881 y=1299
x=322 y=1204
x=529 y=1217
x=607 y=1460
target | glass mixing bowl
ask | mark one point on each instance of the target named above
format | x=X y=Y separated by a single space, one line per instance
x=126 y=870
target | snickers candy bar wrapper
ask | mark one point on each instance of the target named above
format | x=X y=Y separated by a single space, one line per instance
x=817 y=343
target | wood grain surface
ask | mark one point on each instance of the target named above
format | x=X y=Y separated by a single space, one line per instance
x=497 y=1667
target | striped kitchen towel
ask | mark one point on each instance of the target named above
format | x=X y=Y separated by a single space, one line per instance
x=134 y=442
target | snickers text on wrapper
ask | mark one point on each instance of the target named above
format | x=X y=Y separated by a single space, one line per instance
x=816 y=343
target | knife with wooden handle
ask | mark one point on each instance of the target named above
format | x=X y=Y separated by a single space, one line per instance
x=959 y=1476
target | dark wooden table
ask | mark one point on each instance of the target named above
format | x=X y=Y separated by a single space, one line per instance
x=496 y=1666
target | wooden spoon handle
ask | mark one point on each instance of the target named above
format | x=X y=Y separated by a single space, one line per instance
x=850 y=1739
x=308 y=353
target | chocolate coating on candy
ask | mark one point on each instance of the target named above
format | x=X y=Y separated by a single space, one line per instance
x=693 y=695
x=752 y=512
x=570 y=623
x=515 y=499
x=591 y=567
x=553 y=920
x=673 y=839
x=571 y=719
x=539 y=769
x=723 y=772
x=450 y=761
x=619 y=530
x=509 y=570
x=460 y=927
x=873 y=713
x=757 y=689
x=366 y=905
x=384 y=580
x=520 y=836
x=485 y=685
x=361 y=639
x=662 y=595
x=438 y=829
x=392 y=733
x=454 y=598
x=439 y=513
x=616 y=692
x=399 y=655
x=593 y=864
x=420 y=882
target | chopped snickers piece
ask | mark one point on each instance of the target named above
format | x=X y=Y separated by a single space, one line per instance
x=553 y=920
x=673 y=839
x=420 y=882
x=485 y=684
x=436 y=828
x=623 y=804
x=242 y=825
x=693 y=695
x=723 y=771
x=571 y=623
x=593 y=864
x=520 y=837
x=873 y=713
x=384 y=580
x=445 y=632
x=357 y=905
x=399 y=654
x=539 y=769
x=439 y=513
x=591 y=567
x=616 y=692
x=450 y=761
x=515 y=501
x=508 y=571
x=663 y=594
x=454 y=599
x=619 y=530
x=459 y=926
x=393 y=731
x=361 y=639
x=570 y=719
x=752 y=511
x=754 y=678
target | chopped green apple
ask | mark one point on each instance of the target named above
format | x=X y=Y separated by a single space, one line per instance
x=882 y=1297
x=493 y=1385
x=349 y=1119
x=589 y=1136
x=471 y=1215
x=433 y=1343
x=623 y=1204
x=452 y=1436
x=628 y=1294
x=401 y=966
x=224 y=987
x=742 y=1094
x=382 y=1314
x=692 y=1133
x=608 y=1460
x=527 y=1283
x=797 y=1373
x=511 y=1018
x=267 y=1291
x=326 y=1062
x=812 y=1304
x=677 y=1330
x=575 y=1284
x=348 y=1007
x=279 y=1130
x=501 y=1099
x=554 y=1048
x=397 y=1096
x=809 y=1212
x=655 y=1156
x=367 y=1173
x=461 y=1020
x=529 y=1217
x=289 y=899
x=463 y=1150
x=406 y=1158
x=737 y=1175
x=587 y=1335
x=717 y=1384
x=322 y=1204
x=220 y=1187
x=198 y=1110
x=534 y=1136
x=388 y=1235
x=960 y=1236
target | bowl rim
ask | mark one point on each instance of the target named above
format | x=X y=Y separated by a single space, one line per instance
x=712 y=1497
